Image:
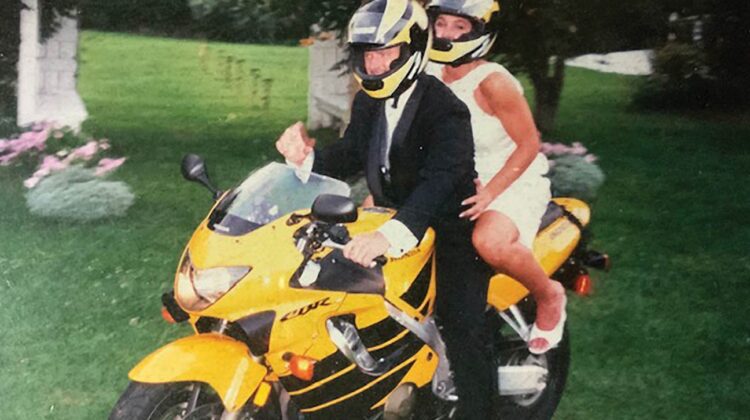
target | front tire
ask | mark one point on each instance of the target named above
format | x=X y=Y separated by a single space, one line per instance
x=142 y=401
x=510 y=349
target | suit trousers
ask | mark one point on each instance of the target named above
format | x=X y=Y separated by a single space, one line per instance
x=462 y=282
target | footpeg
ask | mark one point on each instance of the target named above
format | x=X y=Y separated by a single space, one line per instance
x=521 y=380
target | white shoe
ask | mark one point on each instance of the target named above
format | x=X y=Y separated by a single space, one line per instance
x=552 y=336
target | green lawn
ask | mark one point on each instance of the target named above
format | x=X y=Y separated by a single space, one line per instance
x=665 y=335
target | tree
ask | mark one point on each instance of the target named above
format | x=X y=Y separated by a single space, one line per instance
x=536 y=36
x=703 y=63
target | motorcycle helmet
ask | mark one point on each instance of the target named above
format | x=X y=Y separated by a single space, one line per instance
x=384 y=24
x=483 y=15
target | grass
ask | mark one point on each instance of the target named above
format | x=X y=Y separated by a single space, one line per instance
x=665 y=335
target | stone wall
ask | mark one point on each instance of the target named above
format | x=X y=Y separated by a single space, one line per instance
x=47 y=72
x=330 y=90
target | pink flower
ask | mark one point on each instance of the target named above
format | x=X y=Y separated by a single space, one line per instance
x=58 y=134
x=53 y=163
x=49 y=164
x=590 y=158
x=31 y=182
x=107 y=165
x=578 y=149
x=85 y=152
x=6 y=160
x=559 y=149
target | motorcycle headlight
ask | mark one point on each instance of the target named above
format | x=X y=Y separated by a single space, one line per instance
x=197 y=289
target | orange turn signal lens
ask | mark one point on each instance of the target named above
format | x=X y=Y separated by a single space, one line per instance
x=302 y=367
x=167 y=316
x=582 y=285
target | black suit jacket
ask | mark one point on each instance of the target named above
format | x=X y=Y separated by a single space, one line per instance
x=431 y=156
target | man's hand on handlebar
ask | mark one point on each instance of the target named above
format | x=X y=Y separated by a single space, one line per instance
x=294 y=144
x=365 y=248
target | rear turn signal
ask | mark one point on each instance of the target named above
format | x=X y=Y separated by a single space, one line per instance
x=167 y=316
x=301 y=366
x=582 y=285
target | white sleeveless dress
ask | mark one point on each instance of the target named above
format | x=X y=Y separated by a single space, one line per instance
x=525 y=200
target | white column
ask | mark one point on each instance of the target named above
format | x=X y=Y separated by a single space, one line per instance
x=28 y=64
x=47 y=72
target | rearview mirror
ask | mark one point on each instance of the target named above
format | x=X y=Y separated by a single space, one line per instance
x=194 y=169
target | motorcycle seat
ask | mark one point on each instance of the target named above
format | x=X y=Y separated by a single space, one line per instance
x=554 y=212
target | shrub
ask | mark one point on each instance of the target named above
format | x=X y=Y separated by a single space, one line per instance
x=77 y=194
x=681 y=79
x=575 y=176
x=235 y=20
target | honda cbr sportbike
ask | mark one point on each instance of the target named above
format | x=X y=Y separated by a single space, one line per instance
x=287 y=328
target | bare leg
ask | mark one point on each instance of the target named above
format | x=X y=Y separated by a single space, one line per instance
x=496 y=240
x=368 y=202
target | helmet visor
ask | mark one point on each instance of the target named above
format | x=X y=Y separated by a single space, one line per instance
x=369 y=28
x=440 y=25
x=376 y=62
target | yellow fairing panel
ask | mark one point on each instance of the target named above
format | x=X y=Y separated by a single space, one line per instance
x=552 y=247
x=219 y=361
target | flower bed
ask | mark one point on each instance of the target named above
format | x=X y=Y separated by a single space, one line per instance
x=68 y=177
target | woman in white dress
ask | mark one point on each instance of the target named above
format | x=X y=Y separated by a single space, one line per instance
x=512 y=192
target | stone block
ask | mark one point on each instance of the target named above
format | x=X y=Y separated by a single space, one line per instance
x=68 y=30
x=57 y=64
x=68 y=49
x=51 y=49
x=50 y=83
x=67 y=80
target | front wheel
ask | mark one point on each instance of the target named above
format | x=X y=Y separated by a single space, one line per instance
x=511 y=350
x=177 y=401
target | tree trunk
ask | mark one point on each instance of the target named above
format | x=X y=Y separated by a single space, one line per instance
x=548 y=84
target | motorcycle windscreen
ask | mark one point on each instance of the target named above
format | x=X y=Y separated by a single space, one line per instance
x=340 y=274
x=268 y=193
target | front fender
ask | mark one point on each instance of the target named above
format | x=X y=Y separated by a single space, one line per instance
x=222 y=362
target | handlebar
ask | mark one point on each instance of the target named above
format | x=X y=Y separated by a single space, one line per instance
x=381 y=259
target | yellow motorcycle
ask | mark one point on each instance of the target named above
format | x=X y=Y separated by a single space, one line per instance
x=287 y=328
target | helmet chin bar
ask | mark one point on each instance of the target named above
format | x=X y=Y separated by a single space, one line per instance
x=372 y=84
x=442 y=44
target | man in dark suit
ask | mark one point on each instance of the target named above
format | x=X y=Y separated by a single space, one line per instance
x=412 y=138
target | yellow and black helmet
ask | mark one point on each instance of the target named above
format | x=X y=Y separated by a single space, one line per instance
x=483 y=15
x=383 y=24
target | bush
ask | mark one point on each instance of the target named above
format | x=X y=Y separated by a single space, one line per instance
x=681 y=79
x=162 y=17
x=77 y=194
x=575 y=176
x=234 y=20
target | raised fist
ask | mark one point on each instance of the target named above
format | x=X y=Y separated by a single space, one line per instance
x=294 y=144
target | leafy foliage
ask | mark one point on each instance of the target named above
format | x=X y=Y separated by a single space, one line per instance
x=163 y=17
x=707 y=72
x=536 y=36
x=574 y=176
x=77 y=194
x=681 y=79
x=235 y=20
